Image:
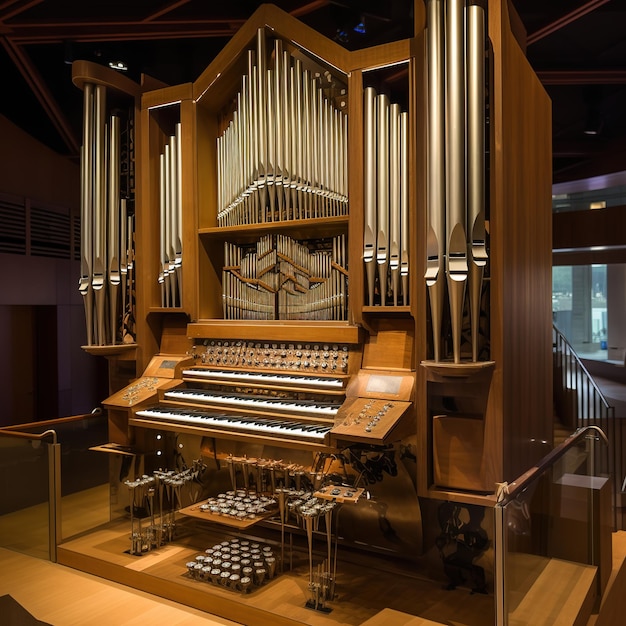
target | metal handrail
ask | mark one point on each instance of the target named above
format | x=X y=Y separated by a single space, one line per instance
x=32 y=436
x=573 y=369
x=509 y=491
x=17 y=430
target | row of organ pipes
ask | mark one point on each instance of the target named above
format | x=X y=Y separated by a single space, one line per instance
x=170 y=216
x=107 y=249
x=283 y=155
x=386 y=199
x=283 y=278
x=456 y=235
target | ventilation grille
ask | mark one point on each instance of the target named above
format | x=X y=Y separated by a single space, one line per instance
x=13 y=231
x=50 y=234
x=38 y=230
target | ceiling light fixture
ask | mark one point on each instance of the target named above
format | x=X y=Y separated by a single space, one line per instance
x=118 y=65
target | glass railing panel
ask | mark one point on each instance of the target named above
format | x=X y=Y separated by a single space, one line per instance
x=84 y=475
x=52 y=490
x=555 y=527
x=24 y=506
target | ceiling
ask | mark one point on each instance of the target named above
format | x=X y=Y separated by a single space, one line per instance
x=577 y=48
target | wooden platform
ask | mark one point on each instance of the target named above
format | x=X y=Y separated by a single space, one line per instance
x=363 y=588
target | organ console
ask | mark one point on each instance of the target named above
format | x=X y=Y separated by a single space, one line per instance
x=311 y=189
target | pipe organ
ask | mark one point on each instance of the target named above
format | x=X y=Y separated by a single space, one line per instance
x=365 y=288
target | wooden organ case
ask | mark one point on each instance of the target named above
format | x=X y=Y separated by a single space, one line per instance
x=295 y=312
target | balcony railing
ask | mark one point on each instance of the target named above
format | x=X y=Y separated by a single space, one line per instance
x=553 y=527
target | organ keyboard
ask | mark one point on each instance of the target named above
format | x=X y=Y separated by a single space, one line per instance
x=303 y=396
x=238 y=426
x=285 y=394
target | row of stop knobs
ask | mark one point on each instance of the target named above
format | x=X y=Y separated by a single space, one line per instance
x=308 y=357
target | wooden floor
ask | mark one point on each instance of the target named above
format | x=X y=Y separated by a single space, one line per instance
x=62 y=596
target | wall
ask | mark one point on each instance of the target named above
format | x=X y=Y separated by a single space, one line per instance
x=29 y=169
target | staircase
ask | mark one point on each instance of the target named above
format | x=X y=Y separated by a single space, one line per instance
x=579 y=402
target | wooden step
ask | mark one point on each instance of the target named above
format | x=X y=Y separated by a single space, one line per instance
x=612 y=606
x=563 y=594
x=390 y=617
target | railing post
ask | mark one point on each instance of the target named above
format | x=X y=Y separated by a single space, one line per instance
x=54 y=499
x=502 y=616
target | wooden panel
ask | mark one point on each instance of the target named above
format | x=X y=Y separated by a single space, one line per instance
x=520 y=404
x=303 y=331
x=583 y=229
x=224 y=67
x=390 y=344
x=166 y=96
x=457 y=452
x=88 y=72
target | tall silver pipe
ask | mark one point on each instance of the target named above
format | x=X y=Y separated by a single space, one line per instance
x=394 y=199
x=476 y=164
x=99 y=230
x=436 y=187
x=261 y=128
x=162 y=253
x=404 y=206
x=86 y=206
x=178 y=215
x=277 y=114
x=172 y=218
x=382 y=240
x=456 y=239
x=114 y=225
x=286 y=131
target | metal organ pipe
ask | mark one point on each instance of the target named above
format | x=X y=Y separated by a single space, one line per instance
x=114 y=222
x=170 y=214
x=394 y=199
x=369 y=243
x=386 y=199
x=99 y=223
x=477 y=252
x=104 y=253
x=86 y=212
x=282 y=156
x=436 y=207
x=382 y=196
x=456 y=238
x=404 y=206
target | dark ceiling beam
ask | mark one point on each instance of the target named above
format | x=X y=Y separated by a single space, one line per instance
x=166 y=9
x=122 y=31
x=309 y=8
x=15 y=7
x=39 y=88
x=564 y=20
x=582 y=77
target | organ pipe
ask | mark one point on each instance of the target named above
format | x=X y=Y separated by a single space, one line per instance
x=456 y=237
